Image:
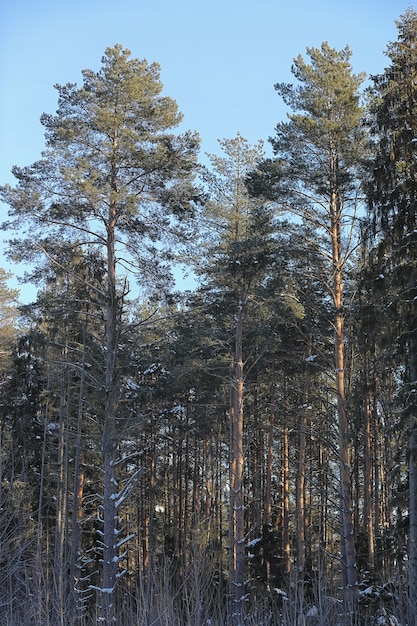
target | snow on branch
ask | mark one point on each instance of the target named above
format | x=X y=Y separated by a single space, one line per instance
x=125 y=540
x=125 y=492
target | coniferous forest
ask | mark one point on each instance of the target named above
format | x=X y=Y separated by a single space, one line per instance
x=243 y=452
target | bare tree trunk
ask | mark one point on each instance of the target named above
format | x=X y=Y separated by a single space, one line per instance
x=269 y=460
x=300 y=494
x=179 y=474
x=285 y=472
x=61 y=513
x=324 y=503
x=208 y=487
x=348 y=551
x=218 y=490
x=368 y=482
x=412 y=556
x=147 y=512
x=256 y=472
x=109 y=448
x=197 y=499
x=349 y=573
x=77 y=510
x=237 y=512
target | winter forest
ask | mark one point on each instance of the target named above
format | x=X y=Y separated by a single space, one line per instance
x=243 y=452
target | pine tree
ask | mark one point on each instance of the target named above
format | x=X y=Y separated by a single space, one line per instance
x=8 y=320
x=8 y=337
x=239 y=243
x=314 y=176
x=116 y=177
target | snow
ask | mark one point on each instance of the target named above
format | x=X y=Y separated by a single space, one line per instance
x=311 y=358
x=125 y=492
x=368 y=591
x=313 y=612
x=126 y=539
x=102 y=589
x=254 y=542
x=131 y=384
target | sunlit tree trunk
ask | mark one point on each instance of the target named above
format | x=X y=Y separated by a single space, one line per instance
x=348 y=550
x=300 y=493
x=316 y=177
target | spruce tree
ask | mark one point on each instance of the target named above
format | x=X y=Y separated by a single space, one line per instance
x=392 y=202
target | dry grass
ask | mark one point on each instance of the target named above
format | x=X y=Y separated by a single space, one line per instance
x=196 y=597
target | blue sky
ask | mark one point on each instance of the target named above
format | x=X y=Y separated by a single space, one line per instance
x=219 y=59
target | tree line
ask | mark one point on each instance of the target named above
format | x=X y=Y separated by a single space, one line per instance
x=243 y=452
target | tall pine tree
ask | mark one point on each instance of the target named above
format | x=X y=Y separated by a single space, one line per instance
x=115 y=176
x=238 y=232
x=314 y=177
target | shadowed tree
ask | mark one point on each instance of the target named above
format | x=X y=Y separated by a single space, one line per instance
x=392 y=232
x=238 y=238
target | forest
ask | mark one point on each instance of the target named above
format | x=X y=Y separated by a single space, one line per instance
x=242 y=452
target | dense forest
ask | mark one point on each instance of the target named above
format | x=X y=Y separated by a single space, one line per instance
x=243 y=451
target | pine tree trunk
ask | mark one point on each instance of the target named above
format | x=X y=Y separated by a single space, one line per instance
x=412 y=564
x=109 y=441
x=349 y=573
x=368 y=503
x=324 y=475
x=300 y=494
x=208 y=487
x=348 y=551
x=256 y=472
x=77 y=510
x=61 y=514
x=269 y=461
x=285 y=473
x=237 y=512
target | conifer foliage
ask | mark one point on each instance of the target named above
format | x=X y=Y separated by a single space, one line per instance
x=244 y=452
x=115 y=177
x=315 y=176
x=392 y=232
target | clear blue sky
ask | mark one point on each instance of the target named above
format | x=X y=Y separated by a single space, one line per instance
x=219 y=58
